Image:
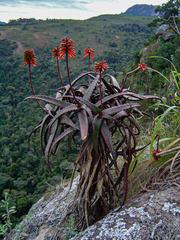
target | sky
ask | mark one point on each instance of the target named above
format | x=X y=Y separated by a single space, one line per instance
x=66 y=9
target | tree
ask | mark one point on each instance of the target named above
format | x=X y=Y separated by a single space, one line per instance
x=169 y=14
x=169 y=9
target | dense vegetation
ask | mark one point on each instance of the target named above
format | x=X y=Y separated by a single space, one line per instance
x=113 y=37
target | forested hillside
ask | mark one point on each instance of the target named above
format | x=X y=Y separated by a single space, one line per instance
x=117 y=39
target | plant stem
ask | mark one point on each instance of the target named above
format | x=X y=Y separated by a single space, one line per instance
x=78 y=103
x=33 y=89
x=124 y=81
x=100 y=92
x=89 y=68
x=60 y=74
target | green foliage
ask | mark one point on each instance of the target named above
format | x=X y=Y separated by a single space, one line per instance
x=169 y=14
x=168 y=121
x=171 y=8
x=70 y=231
x=6 y=47
x=7 y=226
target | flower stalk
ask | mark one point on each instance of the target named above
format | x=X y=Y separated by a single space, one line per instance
x=101 y=68
x=67 y=48
x=141 y=67
x=89 y=52
x=30 y=58
x=56 y=53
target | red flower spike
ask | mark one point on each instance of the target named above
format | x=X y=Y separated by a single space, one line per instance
x=102 y=66
x=29 y=58
x=154 y=152
x=67 y=46
x=88 y=52
x=56 y=53
x=142 y=67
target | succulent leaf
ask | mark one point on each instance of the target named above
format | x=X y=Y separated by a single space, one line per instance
x=119 y=108
x=121 y=114
x=56 y=102
x=91 y=89
x=83 y=122
x=53 y=131
x=67 y=121
x=63 y=111
x=44 y=123
x=97 y=125
x=114 y=81
x=92 y=106
x=61 y=136
x=108 y=139
x=33 y=131
x=109 y=87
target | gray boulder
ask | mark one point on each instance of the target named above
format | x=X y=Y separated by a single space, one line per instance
x=153 y=215
x=163 y=28
x=150 y=215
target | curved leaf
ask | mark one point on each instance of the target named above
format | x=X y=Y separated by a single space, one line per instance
x=108 y=139
x=33 y=131
x=108 y=86
x=119 y=108
x=51 y=100
x=91 y=89
x=75 y=80
x=93 y=107
x=97 y=124
x=67 y=121
x=61 y=136
x=65 y=110
x=88 y=110
x=157 y=127
x=151 y=97
x=121 y=114
x=116 y=95
x=45 y=121
x=53 y=131
x=83 y=122
x=113 y=81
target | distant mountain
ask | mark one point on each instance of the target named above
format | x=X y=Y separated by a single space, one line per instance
x=2 y=23
x=141 y=10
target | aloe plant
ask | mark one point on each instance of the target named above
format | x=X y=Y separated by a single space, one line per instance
x=101 y=114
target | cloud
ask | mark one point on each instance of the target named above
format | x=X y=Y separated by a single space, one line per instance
x=70 y=4
x=65 y=9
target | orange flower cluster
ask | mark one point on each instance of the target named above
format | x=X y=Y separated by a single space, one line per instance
x=67 y=46
x=88 y=52
x=56 y=53
x=29 y=58
x=154 y=152
x=142 y=66
x=102 y=66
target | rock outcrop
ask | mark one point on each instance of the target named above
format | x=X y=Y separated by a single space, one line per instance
x=165 y=32
x=142 y=10
x=153 y=215
x=150 y=215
